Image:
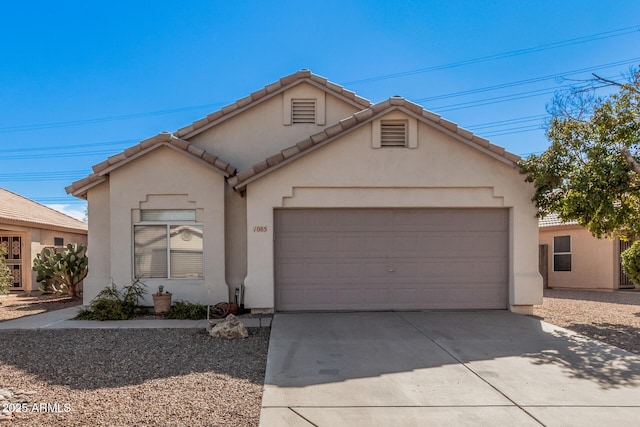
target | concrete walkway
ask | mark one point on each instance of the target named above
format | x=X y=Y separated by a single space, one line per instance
x=442 y=369
x=62 y=319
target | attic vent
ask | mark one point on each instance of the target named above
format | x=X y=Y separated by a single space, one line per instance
x=393 y=134
x=303 y=110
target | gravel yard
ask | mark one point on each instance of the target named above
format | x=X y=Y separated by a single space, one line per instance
x=142 y=377
x=612 y=317
x=183 y=377
x=20 y=306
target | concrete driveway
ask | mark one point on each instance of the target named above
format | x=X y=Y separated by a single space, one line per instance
x=443 y=368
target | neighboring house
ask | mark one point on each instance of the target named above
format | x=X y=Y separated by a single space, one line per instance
x=315 y=199
x=571 y=257
x=26 y=227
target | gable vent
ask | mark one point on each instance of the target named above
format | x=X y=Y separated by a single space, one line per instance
x=393 y=134
x=303 y=111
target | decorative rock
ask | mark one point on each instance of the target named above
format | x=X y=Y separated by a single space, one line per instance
x=231 y=328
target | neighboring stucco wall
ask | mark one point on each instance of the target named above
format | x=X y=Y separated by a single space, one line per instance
x=260 y=132
x=593 y=261
x=167 y=179
x=441 y=172
x=35 y=239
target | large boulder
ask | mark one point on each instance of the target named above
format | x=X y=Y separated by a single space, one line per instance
x=231 y=328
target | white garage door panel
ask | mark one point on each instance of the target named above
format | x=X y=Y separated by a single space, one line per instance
x=379 y=259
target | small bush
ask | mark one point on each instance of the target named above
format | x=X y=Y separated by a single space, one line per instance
x=631 y=262
x=187 y=311
x=113 y=304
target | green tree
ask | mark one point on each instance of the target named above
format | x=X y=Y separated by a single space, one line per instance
x=66 y=269
x=6 y=279
x=591 y=172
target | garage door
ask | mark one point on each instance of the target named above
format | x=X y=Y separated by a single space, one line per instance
x=383 y=259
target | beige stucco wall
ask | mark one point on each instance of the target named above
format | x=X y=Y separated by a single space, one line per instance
x=594 y=262
x=249 y=138
x=163 y=179
x=259 y=132
x=99 y=241
x=440 y=172
x=34 y=239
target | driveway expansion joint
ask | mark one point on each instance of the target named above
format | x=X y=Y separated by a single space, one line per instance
x=469 y=368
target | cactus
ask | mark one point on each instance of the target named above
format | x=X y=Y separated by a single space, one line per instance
x=66 y=269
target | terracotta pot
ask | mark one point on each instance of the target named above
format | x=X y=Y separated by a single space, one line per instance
x=233 y=308
x=161 y=303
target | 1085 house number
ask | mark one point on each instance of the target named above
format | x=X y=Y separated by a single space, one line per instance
x=260 y=228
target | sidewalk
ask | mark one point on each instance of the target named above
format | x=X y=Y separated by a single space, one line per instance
x=62 y=319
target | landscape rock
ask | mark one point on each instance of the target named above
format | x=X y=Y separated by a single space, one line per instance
x=231 y=328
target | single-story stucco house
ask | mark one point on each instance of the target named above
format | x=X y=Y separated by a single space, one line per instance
x=571 y=257
x=27 y=227
x=315 y=199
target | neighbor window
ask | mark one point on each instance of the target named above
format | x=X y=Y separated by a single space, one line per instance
x=58 y=241
x=562 y=253
x=168 y=244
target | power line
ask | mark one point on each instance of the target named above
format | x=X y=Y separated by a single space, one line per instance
x=527 y=81
x=23 y=128
x=70 y=147
x=508 y=54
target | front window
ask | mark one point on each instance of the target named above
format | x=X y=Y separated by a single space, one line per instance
x=168 y=244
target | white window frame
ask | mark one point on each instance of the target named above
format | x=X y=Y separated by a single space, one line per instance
x=168 y=224
x=570 y=253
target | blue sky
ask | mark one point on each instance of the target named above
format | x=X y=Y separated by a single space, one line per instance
x=80 y=81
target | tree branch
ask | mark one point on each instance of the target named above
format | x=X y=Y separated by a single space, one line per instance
x=631 y=160
x=602 y=79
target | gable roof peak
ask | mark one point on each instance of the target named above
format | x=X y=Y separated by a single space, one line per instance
x=331 y=133
x=301 y=76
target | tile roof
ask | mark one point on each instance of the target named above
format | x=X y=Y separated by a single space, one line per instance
x=357 y=120
x=179 y=138
x=102 y=170
x=270 y=90
x=19 y=210
x=553 y=220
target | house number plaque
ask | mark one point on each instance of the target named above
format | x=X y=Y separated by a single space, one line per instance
x=260 y=229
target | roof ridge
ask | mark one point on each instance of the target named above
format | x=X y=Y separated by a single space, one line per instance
x=163 y=138
x=266 y=92
x=359 y=118
x=79 y=223
x=182 y=135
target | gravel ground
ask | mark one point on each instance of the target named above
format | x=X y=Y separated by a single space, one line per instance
x=15 y=307
x=142 y=377
x=612 y=317
x=177 y=377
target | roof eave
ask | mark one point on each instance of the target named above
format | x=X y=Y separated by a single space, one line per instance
x=246 y=103
x=42 y=225
x=381 y=109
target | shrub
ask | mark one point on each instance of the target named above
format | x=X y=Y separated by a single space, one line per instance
x=631 y=262
x=66 y=269
x=6 y=279
x=187 y=311
x=113 y=304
